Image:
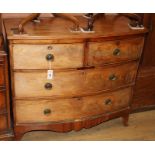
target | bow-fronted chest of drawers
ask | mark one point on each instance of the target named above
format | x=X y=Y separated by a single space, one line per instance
x=63 y=81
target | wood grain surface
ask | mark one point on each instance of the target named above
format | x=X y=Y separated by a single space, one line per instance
x=65 y=56
x=73 y=83
x=72 y=109
x=58 y=28
x=105 y=53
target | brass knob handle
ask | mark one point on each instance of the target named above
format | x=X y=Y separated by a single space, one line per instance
x=108 y=101
x=50 y=57
x=116 y=52
x=47 y=111
x=48 y=86
x=49 y=47
x=113 y=77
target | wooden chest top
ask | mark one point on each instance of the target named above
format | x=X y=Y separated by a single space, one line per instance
x=59 y=29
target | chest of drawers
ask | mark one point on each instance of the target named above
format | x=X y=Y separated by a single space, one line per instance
x=92 y=74
x=5 y=123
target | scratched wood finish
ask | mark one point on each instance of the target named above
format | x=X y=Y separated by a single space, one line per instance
x=65 y=56
x=105 y=53
x=72 y=109
x=73 y=83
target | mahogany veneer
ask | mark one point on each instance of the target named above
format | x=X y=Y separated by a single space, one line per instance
x=93 y=74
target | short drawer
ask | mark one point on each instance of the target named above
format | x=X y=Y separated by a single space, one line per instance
x=3 y=123
x=2 y=100
x=1 y=75
x=43 y=56
x=114 y=51
x=73 y=83
x=30 y=111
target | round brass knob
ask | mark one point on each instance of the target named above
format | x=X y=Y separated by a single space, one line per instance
x=108 y=101
x=49 y=47
x=50 y=57
x=48 y=86
x=113 y=77
x=116 y=52
x=47 y=111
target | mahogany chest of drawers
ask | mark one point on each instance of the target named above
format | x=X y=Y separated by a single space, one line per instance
x=5 y=123
x=63 y=81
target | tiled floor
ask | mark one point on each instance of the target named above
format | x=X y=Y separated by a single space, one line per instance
x=141 y=127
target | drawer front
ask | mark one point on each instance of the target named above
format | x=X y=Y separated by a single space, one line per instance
x=1 y=74
x=3 y=123
x=31 y=111
x=114 y=51
x=73 y=83
x=41 y=56
x=2 y=101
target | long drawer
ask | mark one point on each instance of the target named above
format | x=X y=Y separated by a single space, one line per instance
x=114 y=51
x=43 y=56
x=73 y=83
x=30 y=111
